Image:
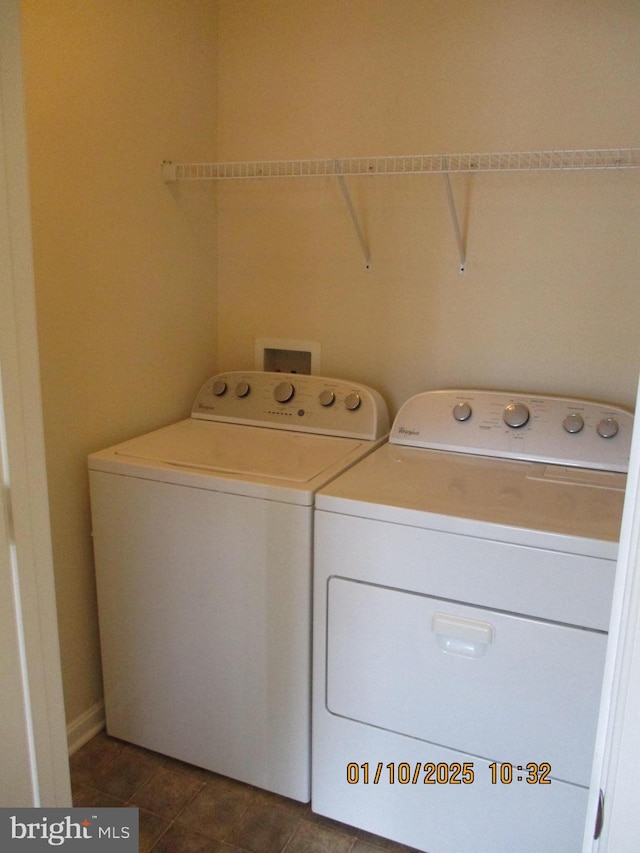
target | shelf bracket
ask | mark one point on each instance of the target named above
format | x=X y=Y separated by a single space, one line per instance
x=354 y=216
x=456 y=225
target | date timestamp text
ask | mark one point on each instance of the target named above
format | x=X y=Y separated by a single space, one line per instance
x=445 y=773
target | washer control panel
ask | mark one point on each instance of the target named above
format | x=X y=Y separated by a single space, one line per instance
x=560 y=430
x=295 y=402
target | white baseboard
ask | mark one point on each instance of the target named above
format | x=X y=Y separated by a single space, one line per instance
x=84 y=727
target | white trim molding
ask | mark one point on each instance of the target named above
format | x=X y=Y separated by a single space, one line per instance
x=86 y=726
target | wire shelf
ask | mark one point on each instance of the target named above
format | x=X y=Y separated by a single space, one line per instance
x=442 y=164
x=533 y=161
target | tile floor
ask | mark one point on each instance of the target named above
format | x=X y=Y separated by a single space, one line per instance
x=184 y=809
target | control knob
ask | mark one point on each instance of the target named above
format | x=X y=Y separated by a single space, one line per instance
x=352 y=402
x=283 y=392
x=607 y=428
x=219 y=388
x=327 y=398
x=573 y=423
x=516 y=415
x=242 y=389
x=462 y=411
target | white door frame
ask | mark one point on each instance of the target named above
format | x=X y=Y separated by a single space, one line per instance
x=617 y=751
x=33 y=746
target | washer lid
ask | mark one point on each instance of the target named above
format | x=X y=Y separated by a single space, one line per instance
x=241 y=450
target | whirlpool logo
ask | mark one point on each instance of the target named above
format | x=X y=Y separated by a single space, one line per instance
x=75 y=829
x=408 y=431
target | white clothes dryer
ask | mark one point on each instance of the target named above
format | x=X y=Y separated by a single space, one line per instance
x=463 y=581
x=202 y=535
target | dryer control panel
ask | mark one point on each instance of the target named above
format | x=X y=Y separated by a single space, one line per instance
x=559 y=430
x=292 y=401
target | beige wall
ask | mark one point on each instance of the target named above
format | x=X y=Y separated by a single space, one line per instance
x=550 y=301
x=124 y=265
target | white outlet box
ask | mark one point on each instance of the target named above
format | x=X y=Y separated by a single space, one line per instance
x=287 y=356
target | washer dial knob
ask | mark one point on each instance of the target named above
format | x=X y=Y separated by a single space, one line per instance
x=607 y=428
x=352 y=402
x=242 y=389
x=284 y=392
x=573 y=422
x=516 y=415
x=327 y=398
x=462 y=411
x=219 y=388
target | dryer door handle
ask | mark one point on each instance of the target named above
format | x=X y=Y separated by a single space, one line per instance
x=457 y=635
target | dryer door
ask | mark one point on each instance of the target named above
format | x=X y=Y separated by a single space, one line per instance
x=480 y=681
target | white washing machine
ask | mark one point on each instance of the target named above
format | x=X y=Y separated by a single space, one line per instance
x=203 y=545
x=463 y=582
